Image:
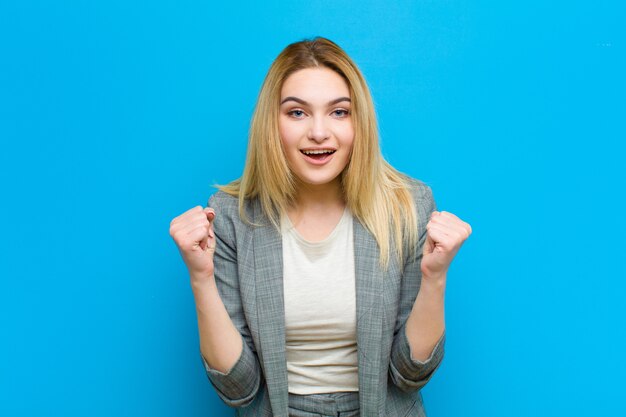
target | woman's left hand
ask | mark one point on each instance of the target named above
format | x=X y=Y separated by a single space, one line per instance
x=445 y=233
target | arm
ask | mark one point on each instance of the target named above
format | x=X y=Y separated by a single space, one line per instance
x=417 y=308
x=238 y=381
x=230 y=363
x=418 y=350
x=445 y=233
x=220 y=342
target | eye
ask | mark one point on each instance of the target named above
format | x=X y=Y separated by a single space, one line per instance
x=297 y=113
x=340 y=113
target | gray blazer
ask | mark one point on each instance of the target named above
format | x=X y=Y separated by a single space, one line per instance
x=248 y=272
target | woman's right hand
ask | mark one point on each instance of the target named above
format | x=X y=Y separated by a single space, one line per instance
x=193 y=233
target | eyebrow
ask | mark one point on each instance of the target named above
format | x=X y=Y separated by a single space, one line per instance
x=304 y=103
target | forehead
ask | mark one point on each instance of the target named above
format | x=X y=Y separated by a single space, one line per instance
x=315 y=83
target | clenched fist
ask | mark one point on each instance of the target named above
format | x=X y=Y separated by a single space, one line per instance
x=193 y=233
x=445 y=233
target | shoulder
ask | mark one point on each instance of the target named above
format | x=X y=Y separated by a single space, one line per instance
x=226 y=208
x=228 y=224
x=422 y=192
x=223 y=202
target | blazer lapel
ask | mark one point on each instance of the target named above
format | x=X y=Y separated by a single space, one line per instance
x=369 y=317
x=270 y=305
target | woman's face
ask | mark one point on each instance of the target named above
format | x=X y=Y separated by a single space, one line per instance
x=315 y=125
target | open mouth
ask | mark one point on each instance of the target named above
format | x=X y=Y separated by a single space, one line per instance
x=318 y=154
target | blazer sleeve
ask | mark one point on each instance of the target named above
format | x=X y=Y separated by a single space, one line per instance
x=240 y=384
x=407 y=373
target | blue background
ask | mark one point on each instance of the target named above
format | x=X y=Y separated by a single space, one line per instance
x=117 y=116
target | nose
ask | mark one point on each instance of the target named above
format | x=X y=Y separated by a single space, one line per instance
x=318 y=130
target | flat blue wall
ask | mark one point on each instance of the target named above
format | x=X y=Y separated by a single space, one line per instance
x=116 y=116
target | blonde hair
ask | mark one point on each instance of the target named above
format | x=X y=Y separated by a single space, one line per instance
x=376 y=194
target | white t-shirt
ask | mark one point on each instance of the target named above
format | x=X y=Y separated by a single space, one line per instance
x=320 y=310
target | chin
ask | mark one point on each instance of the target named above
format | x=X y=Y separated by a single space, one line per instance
x=319 y=181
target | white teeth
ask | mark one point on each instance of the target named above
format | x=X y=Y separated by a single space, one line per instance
x=317 y=152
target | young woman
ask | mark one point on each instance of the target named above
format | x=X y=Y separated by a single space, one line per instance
x=319 y=275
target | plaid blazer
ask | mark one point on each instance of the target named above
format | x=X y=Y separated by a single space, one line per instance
x=248 y=273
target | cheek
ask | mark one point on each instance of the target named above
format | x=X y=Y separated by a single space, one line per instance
x=284 y=141
x=288 y=134
x=347 y=143
x=283 y=134
x=347 y=136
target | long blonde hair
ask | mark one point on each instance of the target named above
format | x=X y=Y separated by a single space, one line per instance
x=376 y=194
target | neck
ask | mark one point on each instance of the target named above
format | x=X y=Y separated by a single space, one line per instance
x=319 y=196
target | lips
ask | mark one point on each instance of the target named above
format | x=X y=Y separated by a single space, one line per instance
x=318 y=156
x=313 y=152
